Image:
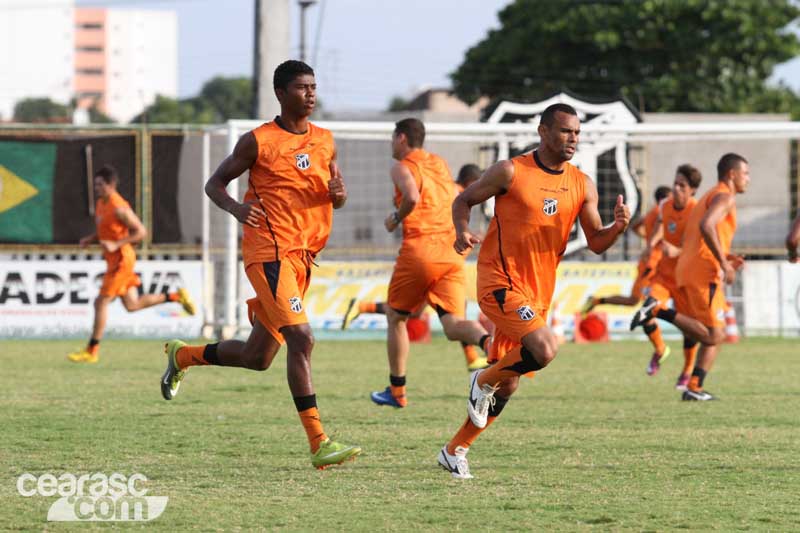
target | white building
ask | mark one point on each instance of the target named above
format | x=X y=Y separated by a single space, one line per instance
x=36 y=52
x=124 y=58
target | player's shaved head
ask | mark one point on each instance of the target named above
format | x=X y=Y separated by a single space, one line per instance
x=692 y=175
x=662 y=192
x=549 y=114
x=727 y=163
x=288 y=71
x=413 y=129
x=468 y=174
x=108 y=174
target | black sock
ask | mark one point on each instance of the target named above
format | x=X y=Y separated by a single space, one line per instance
x=483 y=340
x=701 y=375
x=667 y=314
x=499 y=404
x=210 y=354
x=650 y=328
x=600 y=301
x=464 y=344
x=397 y=381
x=380 y=308
x=303 y=403
x=93 y=342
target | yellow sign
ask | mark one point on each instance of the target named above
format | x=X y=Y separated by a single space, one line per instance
x=14 y=190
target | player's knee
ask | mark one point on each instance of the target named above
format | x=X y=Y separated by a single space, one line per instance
x=261 y=362
x=716 y=336
x=508 y=386
x=545 y=352
x=394 y=317
x=300 y=341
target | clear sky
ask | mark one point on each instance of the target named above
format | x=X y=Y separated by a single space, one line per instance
x=367 y=51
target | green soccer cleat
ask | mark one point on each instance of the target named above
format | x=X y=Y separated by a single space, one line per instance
x=332 y=453
x=351 y=313
x=171 y=380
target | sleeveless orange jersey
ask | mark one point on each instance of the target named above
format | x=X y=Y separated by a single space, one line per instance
x=290 y=178
x=674 y=223
x=696 y=260
x=428 y=231
x=111 y=228
x=649 y=223
x=529 y=231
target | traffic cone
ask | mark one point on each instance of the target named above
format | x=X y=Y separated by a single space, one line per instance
x=419 y=329
x=556 y=325
x=731 y=327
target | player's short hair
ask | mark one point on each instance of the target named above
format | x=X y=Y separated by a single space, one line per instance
x=692 y=175
x=413 y=129
x=662 y=192
x=727 y=163
x=468 y=173
x=108 y=174
x=288 y=71
x=549 y=115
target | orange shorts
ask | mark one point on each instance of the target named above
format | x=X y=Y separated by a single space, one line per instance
x=705 y=302
x=662 y=290
x=119 y=278
x=280 y=287
x=442 y=285
x=512 y=315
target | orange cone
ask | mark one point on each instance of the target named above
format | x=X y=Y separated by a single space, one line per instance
x=731 y=326
x=556 y=325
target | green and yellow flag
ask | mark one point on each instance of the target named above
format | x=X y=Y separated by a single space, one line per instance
x=26 y=191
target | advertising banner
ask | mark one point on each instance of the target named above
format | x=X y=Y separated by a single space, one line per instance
x=55 y=299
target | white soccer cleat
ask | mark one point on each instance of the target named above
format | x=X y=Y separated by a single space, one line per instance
x=479 y=401
x=456 y=464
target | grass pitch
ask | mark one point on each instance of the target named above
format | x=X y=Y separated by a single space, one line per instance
x=592 y=443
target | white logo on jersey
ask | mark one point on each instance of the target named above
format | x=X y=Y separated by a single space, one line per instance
x=302 y=160
x=296 y=304
x=550 y=206
x=526 y=313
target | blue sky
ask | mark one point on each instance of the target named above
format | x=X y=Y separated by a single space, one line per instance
x=367 y=51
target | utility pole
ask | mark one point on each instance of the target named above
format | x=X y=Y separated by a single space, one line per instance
x=304 y=4
x=271 y=48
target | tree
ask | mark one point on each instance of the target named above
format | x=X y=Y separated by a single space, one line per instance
x=230 y=98
x=398 y=103
x=167 y=110
x=41 y=110
x=663 y=55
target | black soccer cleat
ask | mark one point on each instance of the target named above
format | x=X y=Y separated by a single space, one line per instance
x=644 y=313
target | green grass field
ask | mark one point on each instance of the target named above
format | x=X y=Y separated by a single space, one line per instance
x=591 y=444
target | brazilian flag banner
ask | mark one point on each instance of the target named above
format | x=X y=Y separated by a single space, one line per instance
x=26 y=191
x=45 y=195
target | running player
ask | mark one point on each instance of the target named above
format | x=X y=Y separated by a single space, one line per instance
x=538 y=196
x=705 y=263
x=118 y=229
x=672 y=217
x=286 y=217
x=793 y=240
x=427 y=268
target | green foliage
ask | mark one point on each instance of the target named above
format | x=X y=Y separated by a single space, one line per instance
x=669 y=55
x=41 y=110
x=220 y=99
x=398 y=103
x=590 y=444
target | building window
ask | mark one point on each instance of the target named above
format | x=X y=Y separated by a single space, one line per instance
x=90 y=26
x=89 y=71
x=90 y=94
x=89 y=48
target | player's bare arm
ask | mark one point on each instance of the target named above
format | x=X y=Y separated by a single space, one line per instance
x=87 y=240
x=600 y=238
x=136 y=230
x=638 y=227
x=336 y=189
x=793 y=240
x=720 y=206
x=404 y=181
x=243 y=157
x=495 y=180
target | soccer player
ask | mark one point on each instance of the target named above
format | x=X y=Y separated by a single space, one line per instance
x=793 y=240
x=705 y=263
x=538 y=196
x=427 y=268
x=286 y=216
x=468 y=174
x=672 y=216
x=118 y=229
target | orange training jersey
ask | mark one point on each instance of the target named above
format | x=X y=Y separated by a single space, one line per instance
x=696 y=260
x=111 y=228
x=290 y=179
x=674 y=222
x=650 y=227
x=530 y=229
x=428 y=230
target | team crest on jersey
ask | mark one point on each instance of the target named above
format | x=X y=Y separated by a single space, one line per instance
x=550 y=206
x=672 y=227
x=296 y=304
x=302 y=161
x=526 y=313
